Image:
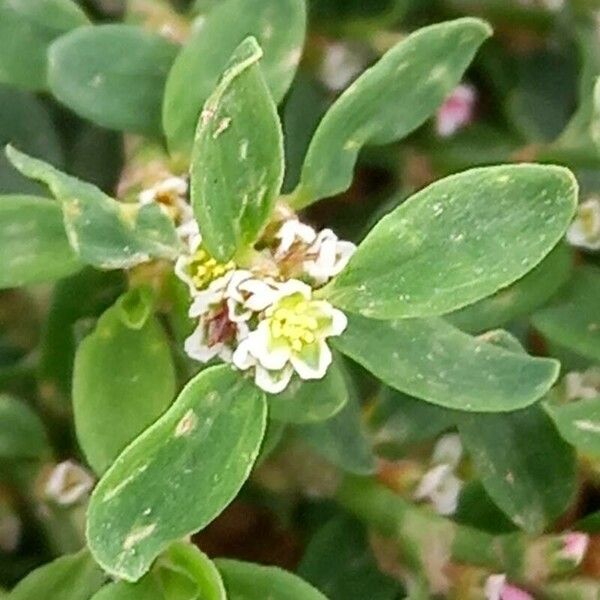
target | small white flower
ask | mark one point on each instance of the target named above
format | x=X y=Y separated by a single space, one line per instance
x=327 y=257
x=68 y=483
x=290 y=337
x=582 y=386
x=198 y=269
x=584 y=232
x=322 y=255
x=457 y=110
x=341 y=64
x=574 y=547
x=440 y=485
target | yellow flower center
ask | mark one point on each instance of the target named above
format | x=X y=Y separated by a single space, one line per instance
x=204 y=269
x=294 y=325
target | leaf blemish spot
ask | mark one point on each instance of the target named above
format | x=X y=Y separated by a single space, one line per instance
x=221 y=127
x=137 y=535
x=187 y=424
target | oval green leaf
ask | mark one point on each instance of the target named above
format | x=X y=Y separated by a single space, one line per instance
x=71 y=577
x=573 y=321
x=459 y=240
x=387 y=102
x=179 y=474
x=246 y=581
x=105 y=233
x=524 y=465
x=123 y=380
x=578 y=423
x=432 y=360
x=33 y=242
x=26 y=31
x=22 y=434
x=113 y=75
x=237 y=162
x=309 y=401
x=279 y=27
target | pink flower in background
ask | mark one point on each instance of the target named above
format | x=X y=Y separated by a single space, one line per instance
x=457 y=110
x=575 y=545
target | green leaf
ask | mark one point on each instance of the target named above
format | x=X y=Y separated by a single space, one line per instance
x=26 y=30
x=521 y=298
x=123 y=380
x=237 y=162
x=181 y=573
x=246 y=581
x=105 y=233
x=179 y=474
x=573 y=321
x=278 y=25
x=33 y=242
x=342 y=439
x=578 y=423
x=76 y=300
x=388 y=102
x=524 y=465
x=432 y=360
x=457 y=241
x=113 y=75
x=22 y=434
x=71 y=577
x=26 y=123
x=307 y=401
x=340 y=563
x=399 y=420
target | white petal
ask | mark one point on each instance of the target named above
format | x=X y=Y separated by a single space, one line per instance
x=211 y=296
x=269 y=356
x=431 y=481
x=307 y=370
x=292 y=231
x=493 y=586
x=339 y=321
x=147 y=196
x=236 y=312
x=445 y=496
x=448 y=450
x=237 y=277
x=262 y=295
x=68 y=483
x=181 y=270
x=294 y=286
x=273 y=382
x=345 y=250
x=196 y=347
x=242 y=357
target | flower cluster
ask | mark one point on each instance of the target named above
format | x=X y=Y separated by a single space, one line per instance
x=264 y=317
x=585 y=229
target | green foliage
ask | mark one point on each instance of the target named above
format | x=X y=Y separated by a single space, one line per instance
x=33 y=242
x=573 y=320
x=22 y=433
x=278 y=25
x=387 y=102
x=532 y=478
x=430 y=359
x=70 y=577
x=238 y=126
x=113 y=75
x=123 y=379
x=105 y=233
x=218 y=419
x=420 y=260
x=245 y=581
x=26 y=31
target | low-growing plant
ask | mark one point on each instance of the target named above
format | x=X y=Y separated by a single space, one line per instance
x=187 y=340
